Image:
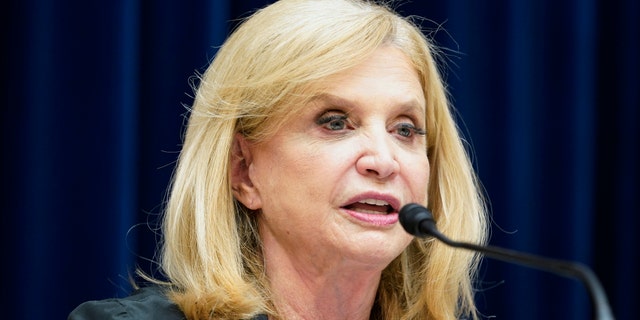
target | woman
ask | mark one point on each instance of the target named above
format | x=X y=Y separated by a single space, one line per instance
x=315 y=123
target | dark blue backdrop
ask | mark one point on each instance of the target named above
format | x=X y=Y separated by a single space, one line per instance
x=547 y=93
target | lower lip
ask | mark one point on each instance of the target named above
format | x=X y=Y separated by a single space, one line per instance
x=375 y=219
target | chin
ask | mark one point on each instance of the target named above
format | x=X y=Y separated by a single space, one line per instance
x=380 y=251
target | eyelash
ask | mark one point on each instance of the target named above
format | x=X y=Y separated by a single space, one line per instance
x=414 y=130
x=327 y=119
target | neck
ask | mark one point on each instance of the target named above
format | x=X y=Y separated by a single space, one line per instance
x=307 y=290
x=299 y=295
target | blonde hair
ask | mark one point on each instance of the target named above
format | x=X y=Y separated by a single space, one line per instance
x=265 y=72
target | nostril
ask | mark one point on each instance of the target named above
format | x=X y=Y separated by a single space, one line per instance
x=377 y=159
x=377 y=166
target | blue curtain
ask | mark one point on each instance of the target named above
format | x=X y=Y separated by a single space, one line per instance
x=94 y=93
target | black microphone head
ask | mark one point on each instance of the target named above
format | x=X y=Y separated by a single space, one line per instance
x=412 y=215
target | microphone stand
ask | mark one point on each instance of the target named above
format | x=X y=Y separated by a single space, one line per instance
x=424 y=225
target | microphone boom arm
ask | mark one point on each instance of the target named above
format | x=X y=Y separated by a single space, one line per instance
x=418 y=221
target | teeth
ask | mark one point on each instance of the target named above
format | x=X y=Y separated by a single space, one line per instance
x=371 y=212
x=374 y=202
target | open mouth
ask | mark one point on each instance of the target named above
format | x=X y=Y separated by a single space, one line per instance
x=371 y=206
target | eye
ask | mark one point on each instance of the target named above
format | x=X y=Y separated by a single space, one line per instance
x=333 y=121
x=407 y=130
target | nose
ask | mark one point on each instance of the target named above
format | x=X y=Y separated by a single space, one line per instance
x=379 y=157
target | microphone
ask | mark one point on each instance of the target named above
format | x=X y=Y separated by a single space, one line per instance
x=418 y=221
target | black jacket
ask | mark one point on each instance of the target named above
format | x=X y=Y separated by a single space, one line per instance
x=144 y=304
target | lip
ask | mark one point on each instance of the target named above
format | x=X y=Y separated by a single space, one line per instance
x=374 y=219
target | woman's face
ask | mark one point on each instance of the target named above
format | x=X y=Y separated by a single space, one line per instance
x=330 y=183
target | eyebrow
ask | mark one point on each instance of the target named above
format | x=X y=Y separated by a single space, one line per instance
x=328 y=98
x=331 y=99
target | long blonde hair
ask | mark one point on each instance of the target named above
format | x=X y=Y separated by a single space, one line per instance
x=265 y=71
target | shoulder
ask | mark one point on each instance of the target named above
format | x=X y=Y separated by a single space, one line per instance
x=144 y=303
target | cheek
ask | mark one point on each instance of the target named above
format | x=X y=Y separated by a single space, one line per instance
x=314 y=171
x=417 y=173
x=291 y=174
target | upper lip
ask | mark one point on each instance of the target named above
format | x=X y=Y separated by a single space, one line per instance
x=376 y=198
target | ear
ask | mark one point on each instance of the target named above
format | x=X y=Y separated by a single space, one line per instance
x=241 y=184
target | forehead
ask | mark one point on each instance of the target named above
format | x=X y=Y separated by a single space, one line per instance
x=386 y=74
